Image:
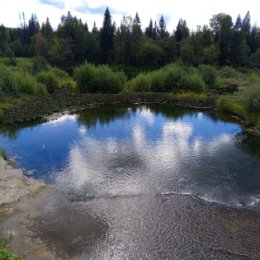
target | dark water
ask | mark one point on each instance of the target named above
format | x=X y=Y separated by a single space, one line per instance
x=142 y=182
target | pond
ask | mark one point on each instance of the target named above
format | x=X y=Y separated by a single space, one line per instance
x=144 y=182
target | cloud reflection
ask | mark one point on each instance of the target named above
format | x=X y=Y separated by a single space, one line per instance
x=178 y=160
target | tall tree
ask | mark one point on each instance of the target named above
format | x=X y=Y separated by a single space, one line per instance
x=221 y=25
x=106 y=40
x=46 y=29
x=162 y=27
x=33 y=27
x=149 y=29
x=181 y=33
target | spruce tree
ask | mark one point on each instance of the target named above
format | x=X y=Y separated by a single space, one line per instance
x=162 y=27
x=149 y=29
x=106 y=40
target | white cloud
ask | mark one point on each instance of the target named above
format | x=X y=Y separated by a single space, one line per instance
x=195 y=12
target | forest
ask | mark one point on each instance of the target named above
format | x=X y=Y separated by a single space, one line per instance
x=223 y=43
x=219 y=62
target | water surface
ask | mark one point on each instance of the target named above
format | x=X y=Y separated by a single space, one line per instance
x=140 y=182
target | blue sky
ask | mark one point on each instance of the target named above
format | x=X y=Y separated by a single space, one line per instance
x=196 y=12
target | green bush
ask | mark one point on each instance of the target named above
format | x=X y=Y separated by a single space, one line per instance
x=98 y=79
x=170 y=78
x=25 y=82
x=12 y=62
x=41 y=89
x=141 y=83
x=228 y=72
x=49 y=80
x=61 y=74
x=209 y=75
x=39 y=63
x=7 y=82
x=195 y=83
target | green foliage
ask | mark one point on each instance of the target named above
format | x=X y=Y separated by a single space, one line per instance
x=7 y=82
x=39 y=63
x=141 y=83
x=63 y=77
x=228 y=72
x=12 y=62
x=28 y=84
x=98 y=79
x=195 y=83
x=4 y=253
x=167 y=79
x=106 y=38
x=49 y=80
x=231 y=105
x=3 y=154
x=209 y=75
x=9 y=53
x=253 y=100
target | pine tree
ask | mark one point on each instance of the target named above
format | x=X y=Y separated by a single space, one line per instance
x=149 y=29
x=46 y=29
x=162 y=27
x=106 y=40
x=182 y=31
x=246 y=27
x=33 y=27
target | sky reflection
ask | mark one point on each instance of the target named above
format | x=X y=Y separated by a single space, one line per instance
x=140 y=150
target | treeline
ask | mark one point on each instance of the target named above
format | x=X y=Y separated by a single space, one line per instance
x=224 y=42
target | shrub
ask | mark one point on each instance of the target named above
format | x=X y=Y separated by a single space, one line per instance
x=209 y=75
x=28 y=84
x=195 y=83
x=109 y=81
x=61 y=74
x=141 y=83
x=91 y=78
x=41 y=89
x=86 y=76
x=39 y=63
x=25 y=82
x=228 y=72
x=167 y=79
x=49 y=80
x=12 y=62
x=7 y=82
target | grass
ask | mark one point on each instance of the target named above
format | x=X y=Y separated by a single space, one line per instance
x=246 y=102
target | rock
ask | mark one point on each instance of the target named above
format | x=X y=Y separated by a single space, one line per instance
x=14 y=185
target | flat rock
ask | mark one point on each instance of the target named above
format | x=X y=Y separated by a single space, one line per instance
x=14 y=185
